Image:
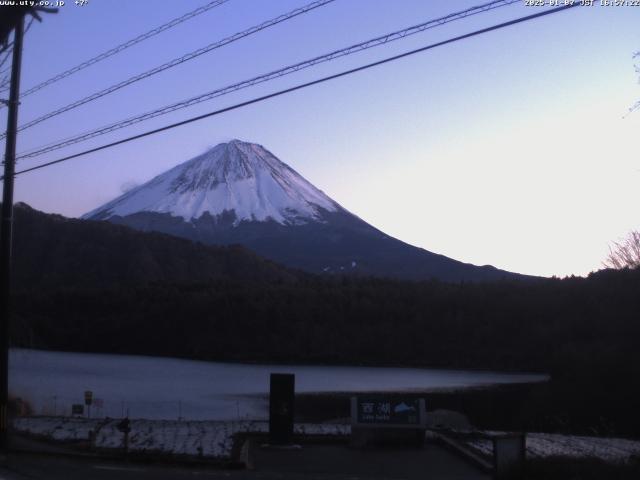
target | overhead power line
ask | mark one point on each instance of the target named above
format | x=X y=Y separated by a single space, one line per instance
x=123 y=46
x=8 y=51
x=302 y=86
x=4 y=78
x=374 y=42
x=177 y=61
x=8 y=48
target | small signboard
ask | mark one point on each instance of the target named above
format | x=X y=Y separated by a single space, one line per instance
x=88 y=397
x=380 y=410
x=77 y=409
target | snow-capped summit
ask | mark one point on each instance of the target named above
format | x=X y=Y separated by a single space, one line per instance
x=239 y=177
x=240 y=193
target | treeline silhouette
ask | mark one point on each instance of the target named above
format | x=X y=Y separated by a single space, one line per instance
x=227 y=304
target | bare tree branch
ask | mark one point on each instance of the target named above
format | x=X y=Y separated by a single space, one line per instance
x=636 y=66
x=625 y=253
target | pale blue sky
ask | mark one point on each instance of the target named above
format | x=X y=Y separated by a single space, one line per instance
x=507 y=149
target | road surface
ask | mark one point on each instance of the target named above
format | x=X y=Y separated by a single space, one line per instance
x=322 y=462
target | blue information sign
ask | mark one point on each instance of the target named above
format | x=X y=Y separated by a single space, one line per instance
x=388 y=410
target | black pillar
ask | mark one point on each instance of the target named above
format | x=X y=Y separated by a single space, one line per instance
x=6 y=228
x=281 y=408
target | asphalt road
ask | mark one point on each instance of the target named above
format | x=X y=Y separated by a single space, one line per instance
x=47 y=467
x=315 y=462
x=430 y=462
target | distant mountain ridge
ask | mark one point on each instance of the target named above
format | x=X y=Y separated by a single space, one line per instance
x=240 y=193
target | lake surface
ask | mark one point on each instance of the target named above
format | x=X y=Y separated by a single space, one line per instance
x=156 y=388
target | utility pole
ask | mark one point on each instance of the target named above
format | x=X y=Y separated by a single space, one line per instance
x=6 y=228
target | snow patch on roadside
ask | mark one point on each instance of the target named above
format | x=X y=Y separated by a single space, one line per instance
x=543 y=445
x=211 y=439
x=214 y=439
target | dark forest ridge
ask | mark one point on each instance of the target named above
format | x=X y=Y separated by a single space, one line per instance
x=55 y=251
x=99 y=287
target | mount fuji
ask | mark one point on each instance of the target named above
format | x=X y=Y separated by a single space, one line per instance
x=240 y=193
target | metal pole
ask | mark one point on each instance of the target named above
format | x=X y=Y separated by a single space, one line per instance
x=6 y=228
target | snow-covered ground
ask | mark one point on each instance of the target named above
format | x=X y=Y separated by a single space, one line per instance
x=166 y=388
x=212 y=439
x=542 y=445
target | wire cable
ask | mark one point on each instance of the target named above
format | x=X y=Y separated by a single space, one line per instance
x=9 y=49
x=124 y=46
x=301 y=86
x=177 y=61
x=381 y=40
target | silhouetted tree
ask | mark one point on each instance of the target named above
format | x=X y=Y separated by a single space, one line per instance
x=636 y=105
x=625 y=253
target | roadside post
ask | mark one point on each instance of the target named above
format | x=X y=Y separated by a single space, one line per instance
x=387 y=420
x=88 y=400
x=281 y=408
x=125 y=427
x=509 y=454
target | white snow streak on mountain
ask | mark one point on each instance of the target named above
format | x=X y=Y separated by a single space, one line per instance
x=239 y=176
